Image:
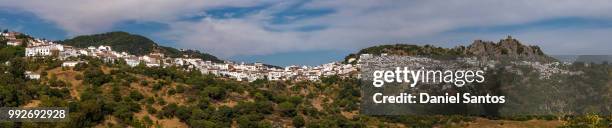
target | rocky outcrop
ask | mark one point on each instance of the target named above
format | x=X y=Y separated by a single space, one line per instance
x=505 y=48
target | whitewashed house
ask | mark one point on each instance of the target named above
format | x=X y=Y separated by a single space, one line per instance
x=71 y=63
x=104 y=48
x=153 y=64
x=15 y=42
x=68 y=53
x=44 y=50
x=32 y=75
x=275 y=75
x=132 y=61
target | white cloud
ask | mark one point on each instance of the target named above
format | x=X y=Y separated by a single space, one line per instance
x=594 y=41
x=358 y=24
x=354 y=23
x=558 y=41
x=229 y=36
x=91 y=16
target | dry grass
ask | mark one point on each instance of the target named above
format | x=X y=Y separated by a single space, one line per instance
x=33 y=103
x=349 y=115
x=317 y=103
x=232 y=100
x=70 y=77
x=107 y=120
x=486 y=123
x=165 y=123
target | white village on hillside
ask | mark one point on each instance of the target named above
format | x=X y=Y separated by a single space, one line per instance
x=238 y=71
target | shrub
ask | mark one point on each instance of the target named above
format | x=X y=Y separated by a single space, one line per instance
x=287 y=109
x=180 y=88
x=78 y=77
x=298 y=121
x=135 y=95
x=95 y=76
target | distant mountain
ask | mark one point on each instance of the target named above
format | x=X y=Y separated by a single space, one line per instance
x=598 y=59
x=133 y=44
x=508 y=48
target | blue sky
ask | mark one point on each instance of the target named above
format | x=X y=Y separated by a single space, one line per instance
x=306 y=32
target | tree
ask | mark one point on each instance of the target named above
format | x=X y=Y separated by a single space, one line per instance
x=298 y=121
x=264 y=106
x=287 y=109
x=18 y=66
x=197 y=114
x=180 y=88
x=11 y=52
x=95 y=76
x=203 y=124
x=80 y=66
x=249 y=121
x=214 y=92
x=135 y=95
x=183 y=113
x=169 y=110
x=87 y=113
x=123 y=112
x=147 y=121
x=295 y=99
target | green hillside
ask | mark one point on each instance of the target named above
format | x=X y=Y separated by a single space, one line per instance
x=133 y=44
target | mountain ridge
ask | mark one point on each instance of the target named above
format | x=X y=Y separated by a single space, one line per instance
x=508 y=48
x=132 y=43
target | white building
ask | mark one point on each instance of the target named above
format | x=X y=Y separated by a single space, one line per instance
x=132 y=62
x=91 y=48
x=44 y=50
x=104 y=48
x=71 y=63
x=221 y=66
x=178 y=61
x=238 y=75
x=152 y=64
x=32 y=75
x=68 y=53
x=275 y=75
x=83 y=52
x=15 y=42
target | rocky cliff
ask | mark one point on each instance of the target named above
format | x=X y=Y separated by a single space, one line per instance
x=506 y=49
